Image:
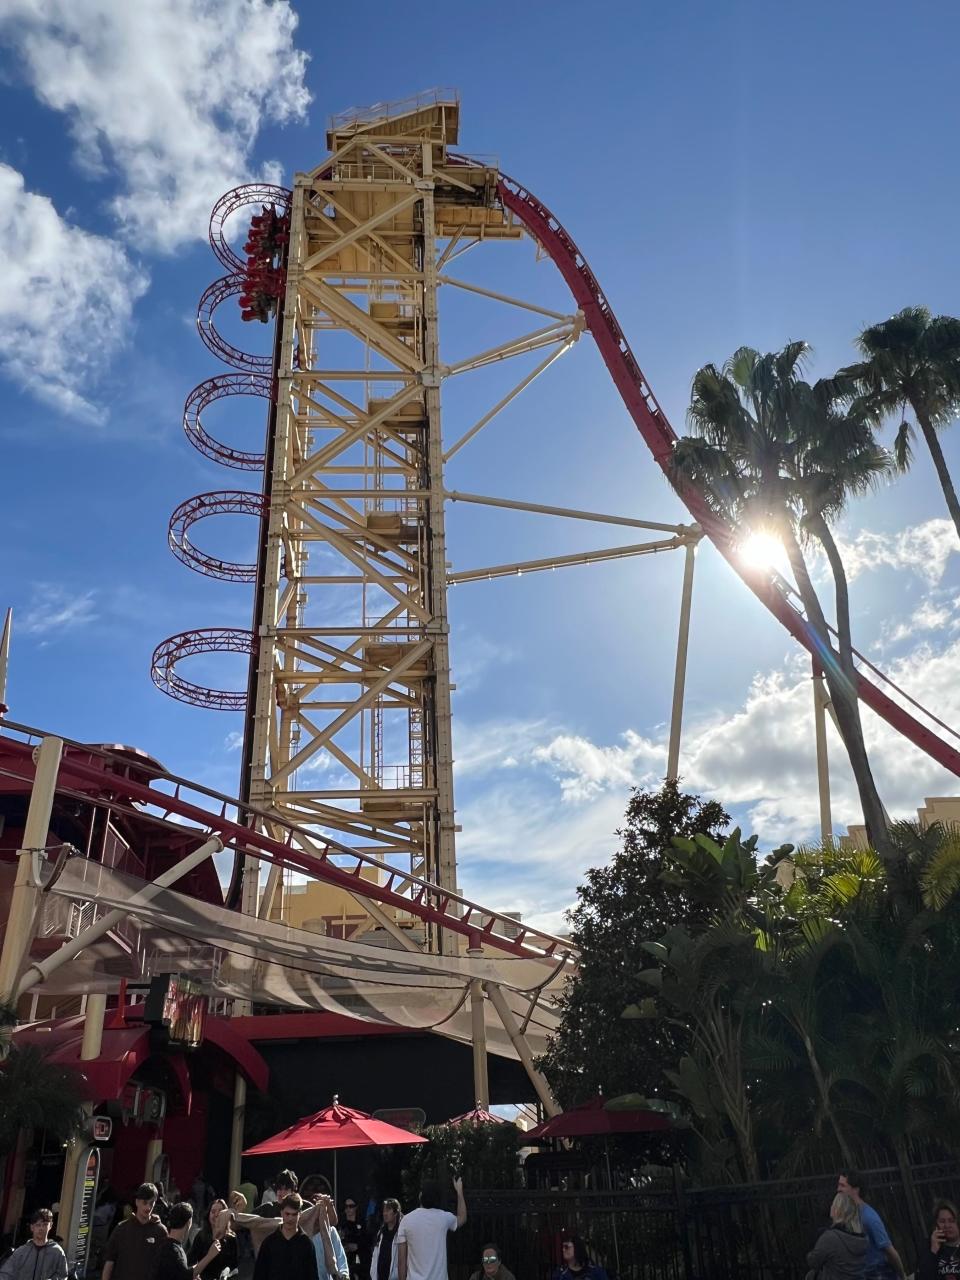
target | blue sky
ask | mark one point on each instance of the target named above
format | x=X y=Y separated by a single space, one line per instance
x=736 y=173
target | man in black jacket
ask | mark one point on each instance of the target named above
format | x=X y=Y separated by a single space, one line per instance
x=288 y=1254
x=171 y=1263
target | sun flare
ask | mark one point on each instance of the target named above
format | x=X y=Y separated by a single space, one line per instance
x=762 y=550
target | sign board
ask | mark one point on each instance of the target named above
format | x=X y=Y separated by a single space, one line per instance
x=412 y=1118
x=84 y=1200
x=101 y=1128
x=178 y=1006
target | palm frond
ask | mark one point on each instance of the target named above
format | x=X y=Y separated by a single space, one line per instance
x=902 y=446
x=37 y=1093
x=940 y=878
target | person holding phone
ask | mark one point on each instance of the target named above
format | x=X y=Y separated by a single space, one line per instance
x=943 y=1258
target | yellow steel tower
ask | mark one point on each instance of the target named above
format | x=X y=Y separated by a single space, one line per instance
x=350 y=731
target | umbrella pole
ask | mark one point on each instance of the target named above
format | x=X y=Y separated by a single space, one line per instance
x=336 y=1198
x=613 y=1207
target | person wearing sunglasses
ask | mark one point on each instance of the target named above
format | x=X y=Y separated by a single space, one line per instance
x=491 y=1265
x=354 y=1239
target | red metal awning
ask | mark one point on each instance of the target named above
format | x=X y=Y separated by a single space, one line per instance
x=124 y=1049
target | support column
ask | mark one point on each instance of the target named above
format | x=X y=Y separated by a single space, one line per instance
x=21 y=918
x=154 y=1152
x=445 y=870
x=519 y=1042
x=77 y=1151
x=236 y=1133
x=680 y=673
x=821 y=700
x=481 y=1083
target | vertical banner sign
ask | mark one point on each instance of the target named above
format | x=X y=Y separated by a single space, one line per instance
x=84 y=1200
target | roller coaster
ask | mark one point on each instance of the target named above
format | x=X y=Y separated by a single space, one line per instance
x=349 y=264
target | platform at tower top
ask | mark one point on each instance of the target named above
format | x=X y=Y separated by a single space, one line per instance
x=434 y=113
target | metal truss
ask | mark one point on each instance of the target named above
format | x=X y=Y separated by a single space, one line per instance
x=348 y=707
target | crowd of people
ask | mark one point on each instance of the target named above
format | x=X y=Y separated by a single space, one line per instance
x=857 y=1245
x=289 y=1235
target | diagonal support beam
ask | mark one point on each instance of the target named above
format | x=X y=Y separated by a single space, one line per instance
x=562 y=562
x=359 y=322
x=41 y=970
x=367 y=699
x=362 y=229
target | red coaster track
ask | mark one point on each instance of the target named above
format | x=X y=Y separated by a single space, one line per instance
x=659 y=437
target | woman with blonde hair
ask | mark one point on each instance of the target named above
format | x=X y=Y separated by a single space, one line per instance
x=840 y=1252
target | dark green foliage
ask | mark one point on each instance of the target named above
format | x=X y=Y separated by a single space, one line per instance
x=486 y=1156
x=821 y=1002
x=619 y=908
x=36 y=1093
x=774 y=453
x=910 y=362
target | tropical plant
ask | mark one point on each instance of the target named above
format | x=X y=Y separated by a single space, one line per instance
x=37 y=1093
x=774 y=452
x=709 y=981
x=911 y=362
x=485 y=1154
x=619 y=907
x=824 y=998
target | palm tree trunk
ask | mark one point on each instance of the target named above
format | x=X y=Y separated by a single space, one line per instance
x=826 y=1103
x=841 y=595
x=843 y=694
x=940 y=464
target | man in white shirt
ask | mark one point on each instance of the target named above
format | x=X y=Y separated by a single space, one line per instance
x=422 y=1236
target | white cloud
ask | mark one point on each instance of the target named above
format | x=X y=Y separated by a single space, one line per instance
x=170 y=95
x=930 y=615
x=529 y=833
x=66 y=301
x=233 y=741
x=586 y=770
x=54 y=608
x=481 y=748
x=923 y=548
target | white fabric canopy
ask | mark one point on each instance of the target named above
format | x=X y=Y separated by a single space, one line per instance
x=271 y=963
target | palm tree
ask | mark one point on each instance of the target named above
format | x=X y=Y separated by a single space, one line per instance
x=34 y=1092
x=37 y=1093
x=773 y=451
x=911 y=361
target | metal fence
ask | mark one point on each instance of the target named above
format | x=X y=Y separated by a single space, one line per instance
x=748 y=1232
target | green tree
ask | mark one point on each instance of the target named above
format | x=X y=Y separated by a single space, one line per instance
x=486 y=1155
x=34 y=1092
x=37 y=1093
x=821 y=1001
x=773 y=452
x=911 y=362
x=620 y=907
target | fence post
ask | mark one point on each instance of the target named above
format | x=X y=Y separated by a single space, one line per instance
x=680 y=1211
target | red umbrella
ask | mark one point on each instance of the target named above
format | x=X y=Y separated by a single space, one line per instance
x=333 y=1129
x=596 y=1118
x=601 y=1117
x=478 y=1116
